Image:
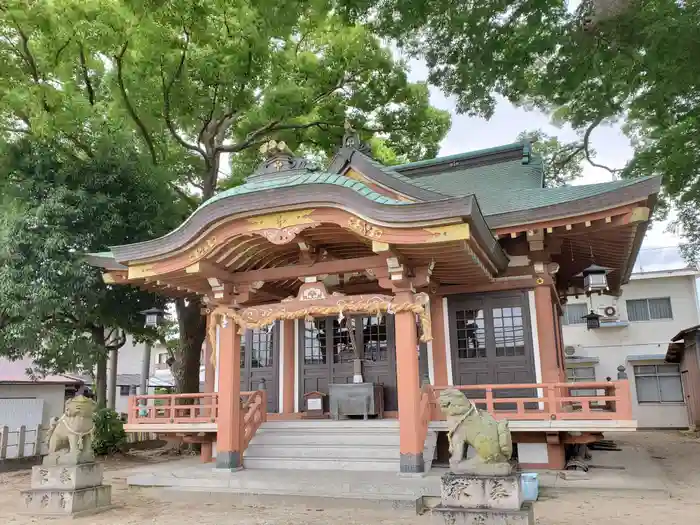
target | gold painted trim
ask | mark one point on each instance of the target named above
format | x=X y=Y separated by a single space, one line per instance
x=452 y=232
x=140 y=271
x=280 y=220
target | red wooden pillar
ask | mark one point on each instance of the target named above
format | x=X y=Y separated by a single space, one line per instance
x=228 y=435
x=546 y=333
x=407 y=379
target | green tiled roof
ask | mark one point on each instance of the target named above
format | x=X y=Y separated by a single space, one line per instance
x=300 y=178
x=460 y=156
x=509 y=186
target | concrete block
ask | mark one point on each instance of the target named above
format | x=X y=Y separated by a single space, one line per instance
x=52 y=502
x=452 y=516
x=66 y=477
x=469 y=491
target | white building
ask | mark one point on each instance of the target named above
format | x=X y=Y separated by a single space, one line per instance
x=660 y=300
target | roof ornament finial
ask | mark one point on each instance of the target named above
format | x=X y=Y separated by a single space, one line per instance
x=273 y=148
x=279 y=159
x=351 y=139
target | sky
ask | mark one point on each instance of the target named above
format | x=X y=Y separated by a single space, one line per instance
x=612 y=148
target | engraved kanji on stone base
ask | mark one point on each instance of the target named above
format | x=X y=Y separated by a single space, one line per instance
x=67 y=490
x=468 y=491
x=67 y=477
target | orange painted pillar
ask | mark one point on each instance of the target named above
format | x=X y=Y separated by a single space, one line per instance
x=228 y=434
x=439 y=345
x=288 y=371
x=546 y=334
x=209 y=382
x=407 y=378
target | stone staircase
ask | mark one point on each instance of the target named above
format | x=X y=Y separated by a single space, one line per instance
x=359 y=445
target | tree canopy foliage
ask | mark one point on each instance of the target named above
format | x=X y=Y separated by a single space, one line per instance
x=631 y=61
x=203 y=83
x=55 y=208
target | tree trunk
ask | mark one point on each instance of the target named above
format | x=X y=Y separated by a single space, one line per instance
x=98 y=336
x=192 y=326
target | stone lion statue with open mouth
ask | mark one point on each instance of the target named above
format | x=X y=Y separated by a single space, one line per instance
x=467 y=425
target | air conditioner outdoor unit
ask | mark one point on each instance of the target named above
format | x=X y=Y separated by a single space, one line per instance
x=609 y=311
x=572 y=350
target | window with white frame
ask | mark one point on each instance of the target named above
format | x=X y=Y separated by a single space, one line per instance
x=581 y=374
x=573 y=313
x=162 y=358
x=658 y=383
x=649 y=309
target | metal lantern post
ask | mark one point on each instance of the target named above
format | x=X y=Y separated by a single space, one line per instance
x=154 y=318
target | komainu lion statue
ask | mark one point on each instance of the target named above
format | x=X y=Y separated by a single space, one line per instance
x=70 y=436
x=467 y=425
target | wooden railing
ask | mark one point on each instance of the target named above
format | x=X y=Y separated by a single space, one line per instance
x=173 y=408
x=178 y=409
x=253 y=414
x=546 y=401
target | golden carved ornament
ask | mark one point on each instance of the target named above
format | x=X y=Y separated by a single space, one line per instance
x=203 y=249
x=364 y=228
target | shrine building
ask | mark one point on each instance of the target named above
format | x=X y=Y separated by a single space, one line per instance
x=358 y=291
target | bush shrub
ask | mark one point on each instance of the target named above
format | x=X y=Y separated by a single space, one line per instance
x=109 y=435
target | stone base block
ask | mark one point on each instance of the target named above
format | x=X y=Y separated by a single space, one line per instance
x=52 y=502
x=453 y=516
x=67 y=477
x=468 y=491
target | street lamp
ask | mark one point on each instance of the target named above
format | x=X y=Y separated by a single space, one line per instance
x=154 y=318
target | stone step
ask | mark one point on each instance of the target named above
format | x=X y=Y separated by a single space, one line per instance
x=326 y=438
x=329 y=424
x=313 y=451
x=355 y=464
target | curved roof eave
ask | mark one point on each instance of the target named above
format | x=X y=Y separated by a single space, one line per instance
x=641 y=190
x=296 y=197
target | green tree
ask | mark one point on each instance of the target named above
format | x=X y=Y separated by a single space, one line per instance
x=603 y=62
x=205 y=82
x=563 y=161
x=56 y=208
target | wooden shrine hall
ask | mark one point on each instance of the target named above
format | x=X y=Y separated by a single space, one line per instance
x=360 y=290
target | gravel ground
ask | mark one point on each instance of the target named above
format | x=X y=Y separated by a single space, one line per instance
x=679 y=456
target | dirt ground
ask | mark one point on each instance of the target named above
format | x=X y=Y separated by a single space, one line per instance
x=678 y=455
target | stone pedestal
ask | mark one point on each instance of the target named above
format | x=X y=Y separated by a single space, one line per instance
x=468 y=499
x=67 y=490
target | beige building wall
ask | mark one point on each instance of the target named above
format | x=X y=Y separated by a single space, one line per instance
x=630 y=343
x=53 y=396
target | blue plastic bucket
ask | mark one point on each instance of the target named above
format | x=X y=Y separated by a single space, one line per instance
x=530 y=486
